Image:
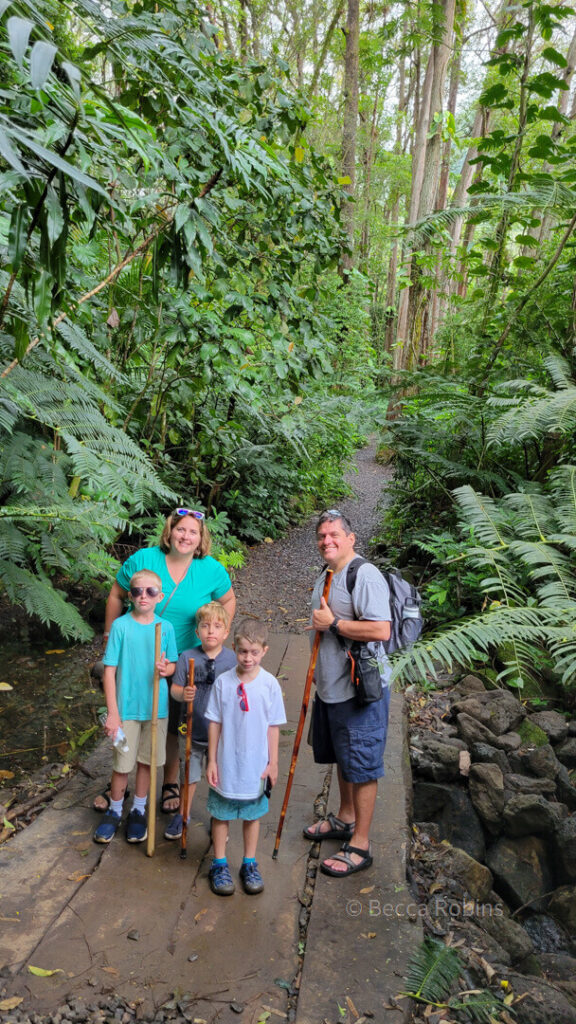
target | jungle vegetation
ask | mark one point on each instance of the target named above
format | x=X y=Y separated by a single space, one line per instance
x=236 y=238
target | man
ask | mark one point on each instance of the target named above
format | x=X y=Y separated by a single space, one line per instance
x=343 y=732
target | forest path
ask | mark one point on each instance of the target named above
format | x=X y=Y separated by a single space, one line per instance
x=131 y=937
x=277 y=581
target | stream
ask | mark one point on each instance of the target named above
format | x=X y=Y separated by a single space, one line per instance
x=48 y=706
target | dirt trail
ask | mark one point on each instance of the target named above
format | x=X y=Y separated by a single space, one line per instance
x=277 y=581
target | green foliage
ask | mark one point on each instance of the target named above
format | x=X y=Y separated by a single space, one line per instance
x=170 y=328
x=432 y=972
x=500 y=588
x=523 y=544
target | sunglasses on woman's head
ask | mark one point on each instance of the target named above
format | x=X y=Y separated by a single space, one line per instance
x=149 y=591
x=189 y=512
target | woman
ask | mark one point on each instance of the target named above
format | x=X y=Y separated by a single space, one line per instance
x=190 y=578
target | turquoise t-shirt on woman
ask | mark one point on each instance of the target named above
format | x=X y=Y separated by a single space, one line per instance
x=206 y=580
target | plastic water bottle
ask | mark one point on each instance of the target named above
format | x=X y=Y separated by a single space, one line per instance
x=119 y=742
x=411 y=626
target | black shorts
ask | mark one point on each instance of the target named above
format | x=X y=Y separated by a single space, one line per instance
x=175 y=715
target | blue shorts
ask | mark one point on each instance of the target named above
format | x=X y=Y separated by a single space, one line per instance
x=351 y=736
x=225 y=808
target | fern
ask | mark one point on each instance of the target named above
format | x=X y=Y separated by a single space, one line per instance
x=36 y=594
x=432 y=971
x=534 y=412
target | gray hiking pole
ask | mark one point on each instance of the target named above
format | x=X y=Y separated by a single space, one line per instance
x=302 y=719
x=154 y=741
x=189 y=710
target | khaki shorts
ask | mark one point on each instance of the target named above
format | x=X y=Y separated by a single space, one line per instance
x=138 y=735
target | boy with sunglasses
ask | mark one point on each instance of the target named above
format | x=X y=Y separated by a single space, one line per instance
x=245 y=712
x=127 y=682
x=210 y=660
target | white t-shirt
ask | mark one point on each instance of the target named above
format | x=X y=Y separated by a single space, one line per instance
x=242 y=753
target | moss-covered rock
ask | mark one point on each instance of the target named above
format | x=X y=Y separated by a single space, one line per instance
x=531 y=734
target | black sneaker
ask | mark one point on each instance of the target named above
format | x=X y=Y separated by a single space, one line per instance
x=251 y=878
x=136 y=827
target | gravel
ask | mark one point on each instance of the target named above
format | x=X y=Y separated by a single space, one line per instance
x=277 y=581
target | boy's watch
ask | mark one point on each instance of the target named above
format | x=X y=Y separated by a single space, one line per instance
x=333 y=627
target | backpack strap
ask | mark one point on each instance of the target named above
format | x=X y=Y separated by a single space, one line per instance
x=352 y=572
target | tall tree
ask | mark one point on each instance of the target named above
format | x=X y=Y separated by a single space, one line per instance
x=412 y=328
x=350 y=125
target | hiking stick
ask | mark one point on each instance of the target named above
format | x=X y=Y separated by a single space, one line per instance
x=302 y=719
x=154 y=740
x=189 y=710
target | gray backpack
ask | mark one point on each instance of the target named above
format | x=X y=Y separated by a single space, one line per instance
x=406 y=622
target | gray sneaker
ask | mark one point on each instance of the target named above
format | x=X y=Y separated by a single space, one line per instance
x=221 y=880
x=251 y=878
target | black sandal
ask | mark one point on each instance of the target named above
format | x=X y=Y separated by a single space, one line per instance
x=343 y=857
x=170 y=791
x=106 y=796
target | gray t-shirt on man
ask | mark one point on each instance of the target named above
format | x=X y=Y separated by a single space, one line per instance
x=370 y=600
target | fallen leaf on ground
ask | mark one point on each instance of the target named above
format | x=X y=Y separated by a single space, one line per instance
x=369 y=888
x=110 y=970
x=57 y=650
x=200 y=914
x=41 y=972
x=77 y=877
x=5 y=774
x=368 y=935
x=12 y=1003
x=6 y=686
x=352 y=1008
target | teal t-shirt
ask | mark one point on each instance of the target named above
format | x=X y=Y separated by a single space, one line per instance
x=206 y=580
x=131 y=647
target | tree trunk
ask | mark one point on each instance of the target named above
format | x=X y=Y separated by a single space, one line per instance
x=350 y=125
x=390 y=300
x=412 y=313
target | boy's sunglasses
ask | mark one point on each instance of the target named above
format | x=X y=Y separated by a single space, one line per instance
x=188 y=512
x=241 y=692
x=149 y=591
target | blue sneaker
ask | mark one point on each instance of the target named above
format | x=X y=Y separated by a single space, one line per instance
x=136 y=827
x=251 y=878
x=175 y=828
x=221 y=880
x=107 y=828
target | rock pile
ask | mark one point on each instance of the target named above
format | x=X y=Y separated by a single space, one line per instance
x=495 y=801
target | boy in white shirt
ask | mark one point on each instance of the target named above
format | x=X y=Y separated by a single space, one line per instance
x=245 y=712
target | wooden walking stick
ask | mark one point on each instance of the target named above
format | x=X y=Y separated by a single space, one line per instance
x=154 y=740
x=189 y=710
x=302 y=719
